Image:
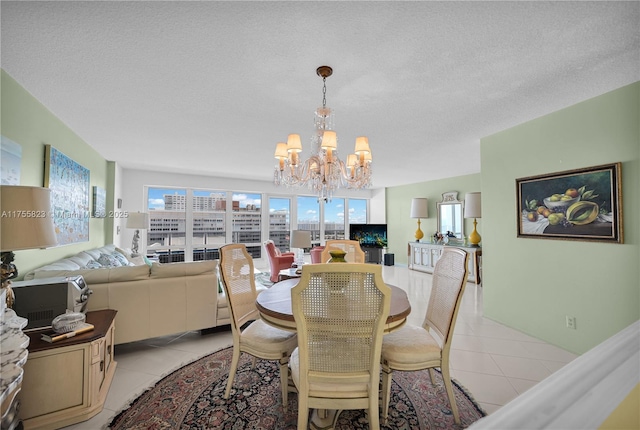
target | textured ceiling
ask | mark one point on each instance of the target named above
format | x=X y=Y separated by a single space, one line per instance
x=210 y=87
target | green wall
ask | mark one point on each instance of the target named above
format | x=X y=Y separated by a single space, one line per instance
x=27 y=122
x=533 y=284
x=401 y=229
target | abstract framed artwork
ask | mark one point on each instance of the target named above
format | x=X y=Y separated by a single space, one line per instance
x=99 y=202
x=581 y=204
x=69 y=184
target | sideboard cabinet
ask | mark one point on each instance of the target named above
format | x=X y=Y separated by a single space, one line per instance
x=424 y=256
x=67 y=381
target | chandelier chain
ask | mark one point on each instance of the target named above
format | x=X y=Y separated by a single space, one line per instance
x=324 y=92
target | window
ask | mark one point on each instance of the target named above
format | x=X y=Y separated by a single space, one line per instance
x=334 y=218
x=167 y=223
x=208 y=223
x=191 y=224
x=246 y=222
x=309 y=217
x=358 y=211
x=280 y=222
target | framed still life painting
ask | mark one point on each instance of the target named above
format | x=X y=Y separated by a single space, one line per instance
x=70 y=190
x=582 y=204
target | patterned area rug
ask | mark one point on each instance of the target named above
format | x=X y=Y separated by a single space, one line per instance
x=191 y=398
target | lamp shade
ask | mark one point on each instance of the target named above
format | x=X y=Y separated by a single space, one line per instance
x=301 y=239
x=472 y=207
x=139 y=220
x=362 y=145
x=26 y=221
x=419 y=208
x=293 y=143
x=329 y=140
x=281 y=151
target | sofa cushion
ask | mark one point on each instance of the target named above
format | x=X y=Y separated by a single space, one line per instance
x=101 y=276
x=171 y=270
x=82 y=259
x=128 y=273
x=95 y=253
x=64 y=264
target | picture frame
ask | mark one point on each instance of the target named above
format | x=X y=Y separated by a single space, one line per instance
x=582 y=204
x=69 y=184
x=99 y=202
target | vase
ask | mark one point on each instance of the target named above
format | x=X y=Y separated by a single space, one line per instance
x=337 y=256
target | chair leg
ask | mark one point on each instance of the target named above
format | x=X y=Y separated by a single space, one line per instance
x=284 y=381
x=254 y=360
x=303 y=412
x=386 y=391
x=232 y=371
x=374 y=412
x=446 y=377
x=432 y=375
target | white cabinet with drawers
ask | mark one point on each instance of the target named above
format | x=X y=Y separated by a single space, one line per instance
x=424 y=256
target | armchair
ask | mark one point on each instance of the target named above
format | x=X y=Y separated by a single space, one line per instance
x=277 y=260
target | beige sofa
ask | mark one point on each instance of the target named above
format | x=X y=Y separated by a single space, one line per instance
x=151 y=300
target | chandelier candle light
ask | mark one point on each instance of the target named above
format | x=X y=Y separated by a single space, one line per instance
x=419 y=209
x=323 y=172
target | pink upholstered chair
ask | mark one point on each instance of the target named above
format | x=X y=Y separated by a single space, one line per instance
x=316 y=254
x=277 y=260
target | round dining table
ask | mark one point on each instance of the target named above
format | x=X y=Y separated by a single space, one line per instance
x=274 y=305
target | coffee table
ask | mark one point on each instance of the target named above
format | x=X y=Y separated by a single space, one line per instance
x=288 y=274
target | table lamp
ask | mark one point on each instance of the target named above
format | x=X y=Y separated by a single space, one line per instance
x=300 y=239
x=419 y=209
x=137 y=220
x=26 y=223
x=473 y=209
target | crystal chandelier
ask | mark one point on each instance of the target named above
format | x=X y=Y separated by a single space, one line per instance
x=323 y=172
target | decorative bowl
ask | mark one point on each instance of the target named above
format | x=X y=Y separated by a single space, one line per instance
x=559 y=204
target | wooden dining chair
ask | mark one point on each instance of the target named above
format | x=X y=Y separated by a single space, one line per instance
x=258 y=339
x=426 y=347
x=340 y=312
x=355 y=254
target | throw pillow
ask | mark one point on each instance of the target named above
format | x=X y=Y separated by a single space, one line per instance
x=108 y=261
x=93 y=264
x=121 y=258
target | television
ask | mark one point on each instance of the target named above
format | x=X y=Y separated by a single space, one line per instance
x=369 y=235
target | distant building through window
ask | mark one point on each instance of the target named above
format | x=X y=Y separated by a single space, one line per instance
x=195 y=222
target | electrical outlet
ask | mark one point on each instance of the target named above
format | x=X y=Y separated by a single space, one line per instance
x=571 y=322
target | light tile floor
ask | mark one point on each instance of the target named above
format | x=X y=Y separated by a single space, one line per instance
x=494 y=362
